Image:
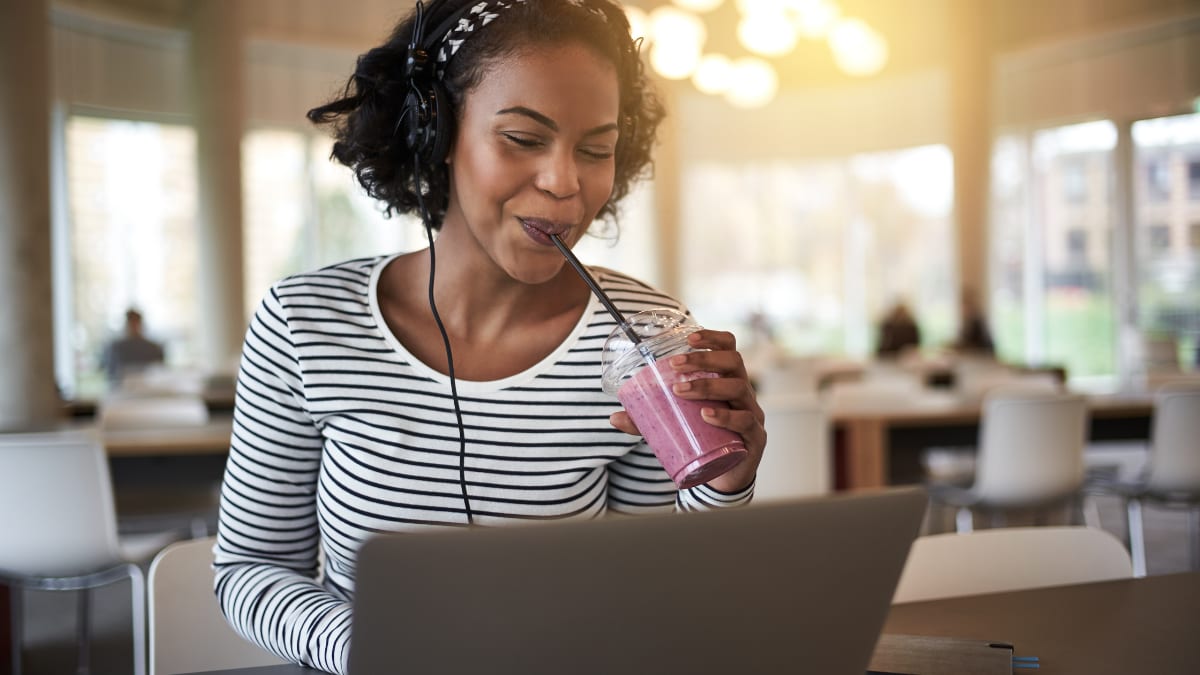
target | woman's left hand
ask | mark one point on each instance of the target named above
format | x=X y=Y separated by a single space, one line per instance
x=732 y=385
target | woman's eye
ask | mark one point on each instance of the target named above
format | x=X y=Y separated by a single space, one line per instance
x=597 y=153
x=523 y=141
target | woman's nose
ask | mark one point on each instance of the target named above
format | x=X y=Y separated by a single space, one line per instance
x=559 y=175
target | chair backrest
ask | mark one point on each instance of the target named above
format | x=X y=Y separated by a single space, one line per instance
x=1010 y=558
x=56 y=497
x=1174 y=463
x=786 y=376
x=188 y=633
x=796 y=461
x=1030 y=446
x=134 y=412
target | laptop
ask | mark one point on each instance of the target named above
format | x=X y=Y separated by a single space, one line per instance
x=800 y=586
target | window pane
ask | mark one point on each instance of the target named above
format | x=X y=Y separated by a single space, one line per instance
x=132 y=201
x=1167 y=209
x=1007 y=247
x=1073 y=177
x=304 y=211
x=822 y=248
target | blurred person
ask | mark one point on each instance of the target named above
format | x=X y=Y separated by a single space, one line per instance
x=974 y=337
x=131 y=353
x=898 y=332
x=345 y=418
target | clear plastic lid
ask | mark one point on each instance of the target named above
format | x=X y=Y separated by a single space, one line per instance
x=663 y=331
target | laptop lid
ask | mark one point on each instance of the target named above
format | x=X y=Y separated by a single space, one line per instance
x=797 y=586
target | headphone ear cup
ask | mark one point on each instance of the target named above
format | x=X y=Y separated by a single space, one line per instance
x=415 y=117
x=427 y=122
x=441 y=125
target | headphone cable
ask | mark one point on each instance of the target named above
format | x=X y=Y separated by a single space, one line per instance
x=462 y=436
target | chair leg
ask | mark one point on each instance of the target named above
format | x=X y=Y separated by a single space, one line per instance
x=137 y=597
x=964 y=521
x=16 y=599
x=1091 y=513
x=1194 y=535
x=1137 y=537
x=83 y=631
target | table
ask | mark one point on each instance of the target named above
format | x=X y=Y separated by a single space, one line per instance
x=870 y=442
x=1142 y=626
x=211 y=438
x=1139 y=626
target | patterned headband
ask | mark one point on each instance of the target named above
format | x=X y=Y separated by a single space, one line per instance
x=481 y=14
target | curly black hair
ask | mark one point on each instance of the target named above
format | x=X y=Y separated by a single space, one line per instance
x=365 y=116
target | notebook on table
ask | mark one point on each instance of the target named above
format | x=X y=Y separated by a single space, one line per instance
x=786 y=587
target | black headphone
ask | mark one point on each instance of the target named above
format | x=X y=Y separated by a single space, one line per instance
x=425 y=116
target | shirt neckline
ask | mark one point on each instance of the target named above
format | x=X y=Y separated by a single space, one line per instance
x=471 y=386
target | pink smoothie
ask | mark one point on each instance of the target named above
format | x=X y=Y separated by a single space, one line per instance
x=690 y=449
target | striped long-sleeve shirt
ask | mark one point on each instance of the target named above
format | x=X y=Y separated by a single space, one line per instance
x=340 y=433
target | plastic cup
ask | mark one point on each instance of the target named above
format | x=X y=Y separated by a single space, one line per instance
x=691 y=450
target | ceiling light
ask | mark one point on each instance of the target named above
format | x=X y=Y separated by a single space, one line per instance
x=674 y=60
x=813 y=18
x=857 y=48
x=669 y=24
x=714 y=74
x=638 y=22
x=767 y=34
x=754 y=83
x=699 y=6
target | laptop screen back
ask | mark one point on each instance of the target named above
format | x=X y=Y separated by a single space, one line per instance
x=801 y=586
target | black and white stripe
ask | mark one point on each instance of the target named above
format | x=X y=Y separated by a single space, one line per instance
x=339 y=433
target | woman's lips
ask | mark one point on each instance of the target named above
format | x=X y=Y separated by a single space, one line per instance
x=540 y=230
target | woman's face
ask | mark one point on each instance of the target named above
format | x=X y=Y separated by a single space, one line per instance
x=533 y=156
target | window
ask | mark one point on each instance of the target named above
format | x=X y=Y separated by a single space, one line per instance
x=1051 y=296
x=304 y=211
x=1074 y=181
x=1008 y=240
x=1168 y=272
x=1077 y=245
x=821 y=248
x=131 y=201
x=1158 y=239
x=1158 y=179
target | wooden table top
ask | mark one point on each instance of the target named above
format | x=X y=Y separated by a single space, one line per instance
x=1145 y=625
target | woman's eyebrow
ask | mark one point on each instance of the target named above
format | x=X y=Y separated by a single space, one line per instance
x=551 y=124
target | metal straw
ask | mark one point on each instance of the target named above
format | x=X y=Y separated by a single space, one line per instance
x=604 y=299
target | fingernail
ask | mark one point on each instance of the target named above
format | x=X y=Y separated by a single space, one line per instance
x=708 y=412
x=681 y=387
x=678 y=360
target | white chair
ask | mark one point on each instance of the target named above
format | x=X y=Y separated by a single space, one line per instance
x=957 y=464
x=1008 y=559
x=1172 y=477
x=59 y=530
x=796 y=461
x=1030 y=457
x=188 y=633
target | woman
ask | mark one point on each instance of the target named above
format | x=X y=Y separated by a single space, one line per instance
x=355 y=416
